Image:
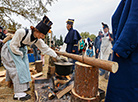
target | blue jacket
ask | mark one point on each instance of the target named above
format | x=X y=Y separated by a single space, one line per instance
x=89 y=52
x=123 y=85
x=71 y=40
x=97 y=42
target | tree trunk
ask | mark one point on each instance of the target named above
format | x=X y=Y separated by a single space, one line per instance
x=86 y=80
x=76 y=98
x=85 y=83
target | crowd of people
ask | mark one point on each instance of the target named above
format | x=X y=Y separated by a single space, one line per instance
x=100 y=48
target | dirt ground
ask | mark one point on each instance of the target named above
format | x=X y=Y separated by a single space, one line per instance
x=6 y=93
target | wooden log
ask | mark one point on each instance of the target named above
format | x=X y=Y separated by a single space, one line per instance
x=2 y=79
x=37 y=75
x=64 y=91
x=60 y=81
x=76 y=98
x=32 y=71
x=86 y=80
x=2 y=73
x=40 y=92
x=38 y=66
x=98 y=63
x=51 y=71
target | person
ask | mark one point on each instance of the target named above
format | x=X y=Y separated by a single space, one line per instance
x=85 y=47
x=123 y=85
x=2 y=36
x=5 y=31
x=15 y=59
x=36 y=52
x=91 y=43
x=97 y=44
x=72 y=38
x=105 y=47
x=81 y=46
x=89 y=52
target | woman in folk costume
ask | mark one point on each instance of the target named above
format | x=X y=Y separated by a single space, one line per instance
x=106 y=45
x=123 y=85
x=15 y=60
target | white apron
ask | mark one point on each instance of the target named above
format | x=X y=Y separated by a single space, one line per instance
x=105 y=48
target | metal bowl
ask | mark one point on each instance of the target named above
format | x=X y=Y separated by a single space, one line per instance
x=64 y=68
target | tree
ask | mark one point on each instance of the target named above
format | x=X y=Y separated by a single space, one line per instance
x=85 y=35
x=61 y=40
x=28 y=9
x=92 y=36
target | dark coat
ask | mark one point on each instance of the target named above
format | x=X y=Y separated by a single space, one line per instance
x=123 y=85
x=97 y=42
x=71 y=40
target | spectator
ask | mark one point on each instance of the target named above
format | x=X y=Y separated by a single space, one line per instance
x=105 y=47
x=2 y=36
x=84 y=48
x=5 y=31
x=97 y=44
x=91 y=43
x=35 y=52
x=123 y=85
x=81 y=46
x=89 y=52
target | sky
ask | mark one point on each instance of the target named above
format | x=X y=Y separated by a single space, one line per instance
x=88 y=15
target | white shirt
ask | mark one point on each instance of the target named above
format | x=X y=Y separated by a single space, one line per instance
x=19 y=34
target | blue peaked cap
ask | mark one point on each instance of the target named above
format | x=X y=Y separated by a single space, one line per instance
x=70 y=21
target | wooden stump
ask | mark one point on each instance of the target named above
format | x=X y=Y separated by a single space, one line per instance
x=76 y=98
x=86 y=80
x=38 y=66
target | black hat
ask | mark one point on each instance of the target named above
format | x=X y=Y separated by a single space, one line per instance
x=104 y=25
x=70 y=21
x=45 y=25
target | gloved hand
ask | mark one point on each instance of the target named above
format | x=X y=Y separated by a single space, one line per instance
x=61 y=59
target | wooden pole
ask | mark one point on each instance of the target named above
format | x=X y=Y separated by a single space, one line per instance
x=98 y=63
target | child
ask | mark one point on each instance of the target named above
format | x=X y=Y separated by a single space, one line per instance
x=89 y=52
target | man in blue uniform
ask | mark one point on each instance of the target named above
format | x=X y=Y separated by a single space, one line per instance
x=72 y=38
x=123 y=85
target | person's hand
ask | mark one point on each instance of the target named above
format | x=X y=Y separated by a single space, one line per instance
x=73 y=50
x=97 y=50
x=117 y=55
x=61 y=59
x=110 y=39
